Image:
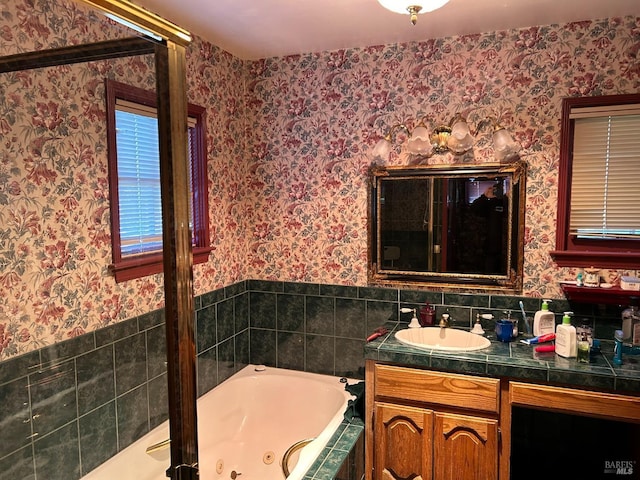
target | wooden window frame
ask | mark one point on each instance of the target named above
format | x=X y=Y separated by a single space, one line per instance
x=586 y=252
x=137 y=266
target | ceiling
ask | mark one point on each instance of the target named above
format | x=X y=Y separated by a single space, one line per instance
x=271 y=28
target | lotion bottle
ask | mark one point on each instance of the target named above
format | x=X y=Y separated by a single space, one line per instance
x=566 y=345
x=544 y=321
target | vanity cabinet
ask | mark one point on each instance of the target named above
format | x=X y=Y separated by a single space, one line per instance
x=404 y=445
x=430 y=425
x=465 y=447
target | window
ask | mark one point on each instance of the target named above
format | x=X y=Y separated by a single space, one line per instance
x=134 y=182
x=598 y=195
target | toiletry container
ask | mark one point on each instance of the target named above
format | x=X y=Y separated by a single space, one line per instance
x=427 y=314
x=566 y=344
x=583 y=349
x=617 y=350
x=631 y=323
x=504 y=330
x=544 y=320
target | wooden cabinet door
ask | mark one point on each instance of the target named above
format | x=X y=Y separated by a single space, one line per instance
x=403 y=443
x=465 y=448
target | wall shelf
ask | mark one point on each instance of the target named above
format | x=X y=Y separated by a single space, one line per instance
x=610 y=296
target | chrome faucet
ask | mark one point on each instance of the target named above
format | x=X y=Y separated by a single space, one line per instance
x=444 y=321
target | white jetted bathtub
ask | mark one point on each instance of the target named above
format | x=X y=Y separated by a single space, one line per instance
x=245 y=427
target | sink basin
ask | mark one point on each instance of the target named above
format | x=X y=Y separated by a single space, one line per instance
x=447 y=339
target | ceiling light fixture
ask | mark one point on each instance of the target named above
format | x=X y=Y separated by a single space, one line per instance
x=412 y=7
x=455 y=137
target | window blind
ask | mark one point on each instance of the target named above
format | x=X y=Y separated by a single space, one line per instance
x=138 y=182
x=139 y=192
x=605 y=198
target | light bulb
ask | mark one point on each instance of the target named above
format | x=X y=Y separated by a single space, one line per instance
x=461 y=145
x=461 y=139
x=404 y=6
x=460 y=129
x=382 y=149
x=504 y=145
x=419 y=143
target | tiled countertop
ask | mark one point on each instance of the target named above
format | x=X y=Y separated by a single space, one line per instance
x=516 y=360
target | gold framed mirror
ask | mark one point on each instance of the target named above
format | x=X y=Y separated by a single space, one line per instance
x=458 y=226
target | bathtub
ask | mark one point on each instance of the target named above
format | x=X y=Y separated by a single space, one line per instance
x=245 y=426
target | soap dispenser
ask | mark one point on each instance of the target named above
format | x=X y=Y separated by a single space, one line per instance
x=415 y=323
x=544 y=321
x=566 y=344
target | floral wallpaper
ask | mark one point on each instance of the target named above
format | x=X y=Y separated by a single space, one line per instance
x=315 y=118
x=289 y=142
x=55 y=244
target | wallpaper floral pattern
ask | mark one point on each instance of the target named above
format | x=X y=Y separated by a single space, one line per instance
x=289 y=143
x=316 y=118
x=55 y=245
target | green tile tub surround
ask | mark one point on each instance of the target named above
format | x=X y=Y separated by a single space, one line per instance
x=320 y=315
x=53 y=397
x=98 y=428
x=133 y=416
x=205 y=328
x=290 y=313
x=68 y=407
x=130 y=363
x=16 y=432
x=95 y=380
x=338 y=448
x=350 y=318
x=57 y=455
x=18 y=465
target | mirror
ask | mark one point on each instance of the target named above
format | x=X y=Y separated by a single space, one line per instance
x=443 y=225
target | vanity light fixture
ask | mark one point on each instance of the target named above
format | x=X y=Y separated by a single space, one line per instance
x=383 y=147
x=412 y=7
x=455 y=137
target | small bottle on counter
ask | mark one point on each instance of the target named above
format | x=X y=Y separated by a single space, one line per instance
x=631 y=323
x=583 y=349
x=566 y=344
x=627 y=320
x=427 y=314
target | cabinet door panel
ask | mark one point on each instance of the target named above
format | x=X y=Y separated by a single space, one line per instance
x=465 y=447
x=403 y=447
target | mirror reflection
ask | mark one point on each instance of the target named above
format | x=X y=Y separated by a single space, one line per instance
x=447 y=225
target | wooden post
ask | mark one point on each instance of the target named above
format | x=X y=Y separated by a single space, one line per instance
x=178 y=259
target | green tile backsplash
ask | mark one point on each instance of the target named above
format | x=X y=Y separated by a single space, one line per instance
x=75 y=404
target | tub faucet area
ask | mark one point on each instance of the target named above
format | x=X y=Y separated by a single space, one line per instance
x=444 y=320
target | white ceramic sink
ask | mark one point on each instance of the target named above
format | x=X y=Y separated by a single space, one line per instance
x=447 y=339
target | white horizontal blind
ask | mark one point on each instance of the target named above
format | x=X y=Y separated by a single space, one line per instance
x=192 y=156
x=139 y=193
x=138 y=179
x=605 y=194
